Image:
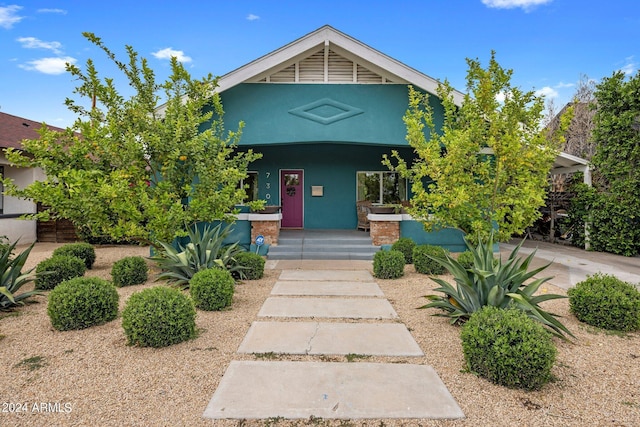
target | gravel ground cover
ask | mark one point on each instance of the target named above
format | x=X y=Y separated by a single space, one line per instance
x=91 y=377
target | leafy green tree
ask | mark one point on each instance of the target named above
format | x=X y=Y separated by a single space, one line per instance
x=139 y=168
x=612 y=207
x=488 y=164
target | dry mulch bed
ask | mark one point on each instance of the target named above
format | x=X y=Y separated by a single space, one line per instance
x=91 y=377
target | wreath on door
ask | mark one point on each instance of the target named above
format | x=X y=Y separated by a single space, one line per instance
x=291 y=191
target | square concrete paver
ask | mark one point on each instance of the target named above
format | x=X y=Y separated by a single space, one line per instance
x=258 y=390
x=349 y=308
x=376 y=339
x=320 y=287
x=327 y=275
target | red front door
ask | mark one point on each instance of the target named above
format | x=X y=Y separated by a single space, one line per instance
x=291 y=196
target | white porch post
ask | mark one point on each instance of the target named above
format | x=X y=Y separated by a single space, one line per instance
x=587 y=225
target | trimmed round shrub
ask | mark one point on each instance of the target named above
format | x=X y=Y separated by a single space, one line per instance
x=388 y=264
x=252 y=265
x=158 y=317
x=212 y=289
x=405 y=245
x=55 y=270
x=466 y=259
x=604 y=301
x=82 y=302
x=131 y=270
x=82 y=250
x=425 y=265
x=508 y=348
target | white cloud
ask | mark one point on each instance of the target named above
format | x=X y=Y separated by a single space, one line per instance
x=547 y=92
x=630 y=67
x=168 y=53
x=34 y=43
x=60 y=11
x=563 y=85
x=511 y=4
x=9 y=16
x=500 y=97
x=252 y=17
x=49 y=65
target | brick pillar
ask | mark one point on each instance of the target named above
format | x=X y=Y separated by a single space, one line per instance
x=269 y=229
x=384 y=232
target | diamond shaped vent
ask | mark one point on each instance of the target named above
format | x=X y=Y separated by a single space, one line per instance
x=326 y=111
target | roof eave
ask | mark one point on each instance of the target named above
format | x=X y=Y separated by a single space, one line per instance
x=327 y=34
x=330 y=35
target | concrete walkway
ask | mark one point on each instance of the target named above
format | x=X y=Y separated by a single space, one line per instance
x=288 y=324
x=318 y=308
x=570 y=265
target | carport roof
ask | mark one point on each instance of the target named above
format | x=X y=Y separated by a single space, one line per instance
x=567 y=163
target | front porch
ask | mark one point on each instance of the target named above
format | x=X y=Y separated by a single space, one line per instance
x=346 y=244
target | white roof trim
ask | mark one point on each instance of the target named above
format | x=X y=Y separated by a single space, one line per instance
x=371 y=58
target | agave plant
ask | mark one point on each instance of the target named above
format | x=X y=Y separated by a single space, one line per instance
x=4 y=245
x=12 y=278
x=495 y=283
x=205 y=250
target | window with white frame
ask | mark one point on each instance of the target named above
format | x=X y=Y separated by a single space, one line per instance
x=381 y=187
x=250 y=185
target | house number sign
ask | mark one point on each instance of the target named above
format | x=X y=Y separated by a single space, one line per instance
x=267 y=195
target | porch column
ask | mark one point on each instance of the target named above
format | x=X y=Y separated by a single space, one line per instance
x=385 y=229
x=587 y=225
x=267 y=225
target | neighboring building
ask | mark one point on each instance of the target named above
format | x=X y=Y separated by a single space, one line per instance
x=12 y=131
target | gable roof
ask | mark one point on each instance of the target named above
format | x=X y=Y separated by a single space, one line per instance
x=329 y=39
x=14 y=129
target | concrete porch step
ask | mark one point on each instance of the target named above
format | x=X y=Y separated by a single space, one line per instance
x=362 y=256
x=323 y=244
x=326 y=241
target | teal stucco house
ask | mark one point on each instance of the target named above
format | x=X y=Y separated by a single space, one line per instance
x=323 y=110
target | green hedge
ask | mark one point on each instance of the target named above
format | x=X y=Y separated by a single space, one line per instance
x=82 y=250
x=251 y=265
x=604 y=301
x=55 y=270
x=158 y=317
x=128 y=271
x=425 y=265
x=405 y=245
x=388 y=264
x=82 y=302
x=465 y=259
x=212 y=289
x=508 y=348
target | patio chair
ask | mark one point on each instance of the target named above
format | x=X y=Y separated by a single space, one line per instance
x=363 y=209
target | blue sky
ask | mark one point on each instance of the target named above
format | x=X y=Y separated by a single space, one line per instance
x=549 y=44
